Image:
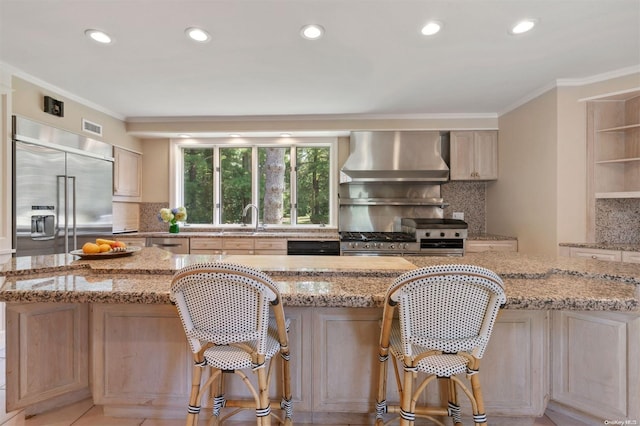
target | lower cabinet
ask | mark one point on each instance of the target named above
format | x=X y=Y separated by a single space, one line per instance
x=601 y=254
x=47 y=355
x=131 y=241
x=205 y=246
x=595 y=363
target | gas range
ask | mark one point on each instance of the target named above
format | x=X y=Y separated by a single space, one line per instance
x=427 y=237
x=378 y=243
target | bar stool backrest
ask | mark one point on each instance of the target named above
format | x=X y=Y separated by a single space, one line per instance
x=223 y=303
x=451 y=308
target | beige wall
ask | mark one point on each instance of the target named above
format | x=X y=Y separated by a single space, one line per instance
x=523 y=201
x=28 y=100
x=541 y=194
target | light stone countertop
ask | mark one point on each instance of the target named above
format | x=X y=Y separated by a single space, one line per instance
x=531 y=282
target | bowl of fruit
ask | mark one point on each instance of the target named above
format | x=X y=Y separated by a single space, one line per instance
x=105 y=249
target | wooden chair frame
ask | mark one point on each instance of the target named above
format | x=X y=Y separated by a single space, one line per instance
x=204 y=276
x=464 y=352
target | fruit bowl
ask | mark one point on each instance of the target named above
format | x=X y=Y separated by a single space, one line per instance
x=105 y=255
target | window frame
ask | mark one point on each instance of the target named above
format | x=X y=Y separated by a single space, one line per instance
x=176 y=173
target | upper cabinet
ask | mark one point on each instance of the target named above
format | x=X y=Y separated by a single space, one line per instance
x=127 y=175
x=613 y=142
x=474 y=155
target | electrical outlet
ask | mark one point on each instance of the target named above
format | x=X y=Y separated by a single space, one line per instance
x=458 y=215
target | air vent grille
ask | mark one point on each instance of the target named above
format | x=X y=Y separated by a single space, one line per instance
x=91 y=127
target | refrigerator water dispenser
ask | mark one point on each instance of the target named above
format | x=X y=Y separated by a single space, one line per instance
x=42 y=223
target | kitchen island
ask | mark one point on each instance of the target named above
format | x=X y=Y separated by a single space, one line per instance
x=116 y=337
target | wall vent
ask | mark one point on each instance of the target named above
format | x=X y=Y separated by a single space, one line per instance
x=91 y=127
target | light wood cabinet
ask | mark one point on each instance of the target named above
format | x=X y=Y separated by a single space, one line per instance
x=476 y=246
x=474 y=155
x=614 y=129
x=206 y=246
x=131 y=241
x=126 y=217
x=237 y=245
x=47 y=354
x=595 y=363
x=599 y=254
x=127 y=175
x=270 y=246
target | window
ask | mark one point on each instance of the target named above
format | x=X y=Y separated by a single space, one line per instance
x=289 y=181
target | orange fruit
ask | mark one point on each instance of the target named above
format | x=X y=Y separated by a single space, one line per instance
x=90 y=248
x=104 y=248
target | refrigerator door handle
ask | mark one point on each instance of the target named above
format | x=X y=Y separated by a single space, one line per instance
x=66 y=209
x=73 y=192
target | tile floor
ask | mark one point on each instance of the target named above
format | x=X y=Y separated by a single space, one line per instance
x=84 y=413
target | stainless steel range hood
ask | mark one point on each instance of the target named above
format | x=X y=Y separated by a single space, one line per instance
x=395 y=156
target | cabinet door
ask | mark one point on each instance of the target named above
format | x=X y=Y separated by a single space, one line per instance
x=126 y=217
x=272 y=246
x=485 y=148
x=57 y=333
x=237 y=245
x=462 y=167
x=595 y=363
x=127 y=172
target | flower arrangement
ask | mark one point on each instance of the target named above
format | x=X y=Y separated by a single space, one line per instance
x=172 y=216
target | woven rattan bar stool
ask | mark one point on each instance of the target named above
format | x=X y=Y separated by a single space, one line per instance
x=225 y=310
x=444 y=321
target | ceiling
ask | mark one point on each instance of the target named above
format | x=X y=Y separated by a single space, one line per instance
x=372 y=60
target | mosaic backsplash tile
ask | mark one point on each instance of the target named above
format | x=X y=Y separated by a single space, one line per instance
x=469 y=198
x=618 y=220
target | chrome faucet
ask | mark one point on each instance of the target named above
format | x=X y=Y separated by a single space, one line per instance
x=244 y=214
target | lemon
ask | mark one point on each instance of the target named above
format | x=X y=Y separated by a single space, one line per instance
x=104 y=248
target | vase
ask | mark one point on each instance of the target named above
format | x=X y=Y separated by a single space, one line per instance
x=174 y=228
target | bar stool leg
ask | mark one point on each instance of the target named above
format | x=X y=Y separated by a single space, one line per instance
x=196 y=376
x=479 y=417
x=407 y=416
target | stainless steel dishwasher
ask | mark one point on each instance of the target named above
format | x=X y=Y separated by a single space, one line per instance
x=174 y=245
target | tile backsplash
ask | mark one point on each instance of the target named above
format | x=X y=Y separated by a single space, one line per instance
x=466 y=197
x=618 y=220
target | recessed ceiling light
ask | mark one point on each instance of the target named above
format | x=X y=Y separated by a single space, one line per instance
x=184 y=135
x=285 y=135
x=197 y=34
x=98 y=36
x=431 y=28
x=235 y=135
x=312 y=31
x=523 y=26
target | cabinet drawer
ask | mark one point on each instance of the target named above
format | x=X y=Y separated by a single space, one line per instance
x=271 y=244
x=205 y=251
x=237 y=244
x=480 y=246
x=131 y=241
x=631 y=256
x=239 y=252
x=271 y=252
x=610 y=255
x=206 y=243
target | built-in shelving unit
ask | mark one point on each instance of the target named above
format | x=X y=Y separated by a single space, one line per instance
x=613 y=149
x=616 y=147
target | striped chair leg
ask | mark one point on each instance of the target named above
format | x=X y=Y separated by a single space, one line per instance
x=479 y=417
x=381 y=400
x=193 y=409
x=407 y=415
x=263 y=411
x=453 y=408
x=286 y=403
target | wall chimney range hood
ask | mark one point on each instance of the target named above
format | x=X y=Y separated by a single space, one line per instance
x=395 y=156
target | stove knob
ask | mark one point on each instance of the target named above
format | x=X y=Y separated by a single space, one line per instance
x=457 y=234
x=427 y=234
x=366 y=246
x=442 y=234
x=392 y=246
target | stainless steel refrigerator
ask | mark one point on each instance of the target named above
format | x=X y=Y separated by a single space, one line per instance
x=62 y=189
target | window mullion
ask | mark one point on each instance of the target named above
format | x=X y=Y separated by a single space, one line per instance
x=294 y=186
